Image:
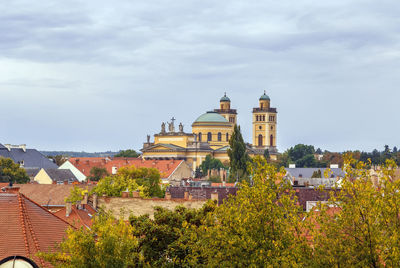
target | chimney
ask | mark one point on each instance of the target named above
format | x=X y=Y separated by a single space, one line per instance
x=190 y=196
x=66 y=182
x=168 y=195
x=214 y=195
x=292 y=165
x=85 y=199
x=68 y=209
x=186 y=195
x=12 y=189
x=135 y=194
x=94 y=201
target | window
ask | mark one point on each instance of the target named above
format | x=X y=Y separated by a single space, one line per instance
x=271 y=140
x=199 y=136
x=272 y=127
x=271 y=118
x=227 y=137
x=219 y=136
x=263 y=118
x=260 y=140
x=256 y=117
x=209 y=136
x=262 y=105
x=260 y=127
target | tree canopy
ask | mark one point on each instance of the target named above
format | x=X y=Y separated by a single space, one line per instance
x=97 y=173
x=210 y=163
x=127 y=153
x=10 y=171
x=238 y=156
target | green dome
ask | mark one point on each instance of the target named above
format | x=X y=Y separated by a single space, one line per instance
x=264 y=97
x=225 y=99
x=213 y=117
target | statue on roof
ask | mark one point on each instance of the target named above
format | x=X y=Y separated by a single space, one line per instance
x=163 y=127
x=148 y=138
x=180 y=127
x=171 y=127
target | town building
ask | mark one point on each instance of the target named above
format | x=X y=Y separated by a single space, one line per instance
x=172 y=171
x=27 y=228
x=210 y=135
x=55 y=176
x=26 y=158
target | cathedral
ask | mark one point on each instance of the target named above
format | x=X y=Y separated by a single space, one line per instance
x=210 y=135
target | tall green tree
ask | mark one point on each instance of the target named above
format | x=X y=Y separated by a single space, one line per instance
x=238 y=156
x=10 y=171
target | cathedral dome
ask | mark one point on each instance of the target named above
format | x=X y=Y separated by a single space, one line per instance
x=225 y=99
x=264 y=96
x=211 y=117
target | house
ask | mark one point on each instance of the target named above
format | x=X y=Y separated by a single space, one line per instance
x=55 y=176
x=27 y=158
x=80 y=214
x=50 y=196
x=26 y=227
x=314 y=176
x=172 y=171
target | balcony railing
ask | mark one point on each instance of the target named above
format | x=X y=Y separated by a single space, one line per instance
x=270 y=110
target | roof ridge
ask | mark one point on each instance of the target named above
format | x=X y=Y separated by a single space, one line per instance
x=21 y=218
x=47 y=210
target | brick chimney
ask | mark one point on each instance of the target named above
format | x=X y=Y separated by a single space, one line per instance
x=85 y=199
x=167 y=195
x=214 y=195
x=68 y=208
x=186 y=195
x=12 y=189
x=94 y=201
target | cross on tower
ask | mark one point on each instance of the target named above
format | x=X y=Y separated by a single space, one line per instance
x=172 y=120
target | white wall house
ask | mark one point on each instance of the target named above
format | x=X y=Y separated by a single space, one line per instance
x=78 y=174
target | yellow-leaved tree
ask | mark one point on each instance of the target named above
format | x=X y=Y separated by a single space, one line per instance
x=360 y=225
x=261 y=226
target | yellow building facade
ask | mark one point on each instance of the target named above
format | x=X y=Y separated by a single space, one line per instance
x=210 y=135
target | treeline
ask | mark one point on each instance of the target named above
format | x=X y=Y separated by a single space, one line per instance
x=121 y=153
x=307 y=156
x=262 y=226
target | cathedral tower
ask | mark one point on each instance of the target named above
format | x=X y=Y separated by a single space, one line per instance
x=264 y=125
x=226 y=111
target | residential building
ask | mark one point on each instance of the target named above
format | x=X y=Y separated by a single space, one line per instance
x=27 y=158
x=55 y=176
x=26 y=227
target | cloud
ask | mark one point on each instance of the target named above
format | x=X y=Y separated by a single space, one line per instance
x=95 y=75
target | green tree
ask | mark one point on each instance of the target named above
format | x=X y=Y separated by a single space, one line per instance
x=162 y=239
x=146 y=180
x=210 y=163
x=259 y=227
x=10 y=171
x=238 y=156
x=97 y=173
x=127 y=153
x=360 y=226
x=76 y=194
x=58 y=159
x=108 y=243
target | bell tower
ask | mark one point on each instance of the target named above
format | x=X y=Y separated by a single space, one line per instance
x=264 y=125
x=226 y=111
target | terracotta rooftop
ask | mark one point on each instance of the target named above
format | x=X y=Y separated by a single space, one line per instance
x=79 y=217
x=85 y=164
x=26 y=227
x=48 y=194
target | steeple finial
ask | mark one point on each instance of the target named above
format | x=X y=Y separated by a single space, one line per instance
x=225 y=94
x=265 y=93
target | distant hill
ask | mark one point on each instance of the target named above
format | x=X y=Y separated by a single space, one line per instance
x=79 y=154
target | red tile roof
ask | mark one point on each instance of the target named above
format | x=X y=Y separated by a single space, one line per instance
x=78 y=217
x=26 y=227
x=219 y=184
x=85 y=164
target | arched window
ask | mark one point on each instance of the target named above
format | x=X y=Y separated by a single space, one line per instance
x=209 y=136
x=199 y=136
x=263 y=118
x=219 y=136
x=271 y=140
x=227 y=137
x=256 y=117
x=260 y=140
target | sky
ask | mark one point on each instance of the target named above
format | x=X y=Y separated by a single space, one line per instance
x=101 y=75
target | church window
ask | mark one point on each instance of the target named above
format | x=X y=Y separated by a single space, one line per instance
x=260 y=140
x=256 y=117
x=260 y=127
x=272 y=127
x=199 y=136
x=263 y=118
x=219 y=136
x=209 y=136
x=271 y=140
x=227 y=137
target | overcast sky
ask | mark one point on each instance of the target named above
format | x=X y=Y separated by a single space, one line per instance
x=101 y=75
